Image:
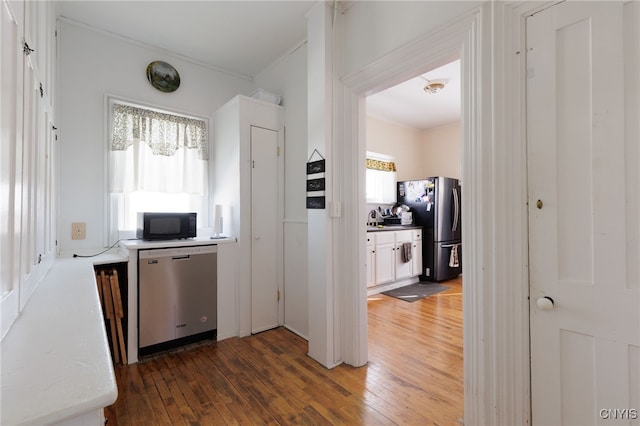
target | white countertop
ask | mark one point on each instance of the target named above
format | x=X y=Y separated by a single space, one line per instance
x=392 y=228
x=188 y=242
x=56 y=362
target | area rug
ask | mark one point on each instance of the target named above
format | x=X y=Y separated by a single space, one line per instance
x=417 y=291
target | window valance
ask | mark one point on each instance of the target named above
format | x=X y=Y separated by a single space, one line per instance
x=164 y=133
x=384 y=166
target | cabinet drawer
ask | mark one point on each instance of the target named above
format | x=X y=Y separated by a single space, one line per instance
x=417 y=234
x=403 y=236
x=385 y=237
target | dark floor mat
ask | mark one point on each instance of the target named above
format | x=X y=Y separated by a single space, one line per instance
x=414 y=292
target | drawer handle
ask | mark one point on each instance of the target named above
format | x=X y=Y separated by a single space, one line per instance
x=185 y=257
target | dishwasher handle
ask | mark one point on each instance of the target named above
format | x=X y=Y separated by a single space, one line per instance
x=183 y=257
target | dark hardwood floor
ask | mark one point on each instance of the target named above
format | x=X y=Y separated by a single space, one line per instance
x=414 y=375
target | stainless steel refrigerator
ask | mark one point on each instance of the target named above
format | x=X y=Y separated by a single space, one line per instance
x=435 y=203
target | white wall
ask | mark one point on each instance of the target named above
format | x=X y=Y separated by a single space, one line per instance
x=418 y=153
x=442 y=151
x=369 y=29
x=92 y=65
x=287 y=77
x=400 y=142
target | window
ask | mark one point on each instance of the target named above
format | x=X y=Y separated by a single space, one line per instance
x=381 y=178
x=158 y=162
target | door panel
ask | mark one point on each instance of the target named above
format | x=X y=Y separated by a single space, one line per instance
x=582 y=118
x=264 y=229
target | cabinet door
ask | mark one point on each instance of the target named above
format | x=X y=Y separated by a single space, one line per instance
x=371 y=264
x=416 y=258
x=385 y=263
x=265 y=297
x=403 y=269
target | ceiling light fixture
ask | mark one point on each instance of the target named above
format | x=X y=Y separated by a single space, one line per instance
x=434 y=86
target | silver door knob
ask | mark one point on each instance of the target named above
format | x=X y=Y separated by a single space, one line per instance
x=545 y=303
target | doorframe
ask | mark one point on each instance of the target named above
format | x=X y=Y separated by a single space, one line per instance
x=489 y=42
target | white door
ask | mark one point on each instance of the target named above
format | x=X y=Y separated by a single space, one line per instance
x=583 y=84
x=264 y=229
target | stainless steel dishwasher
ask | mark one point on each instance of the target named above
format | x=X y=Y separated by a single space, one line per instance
x=177 y=296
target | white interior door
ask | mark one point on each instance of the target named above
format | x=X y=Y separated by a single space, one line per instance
x=264 y=229
x=583 y=85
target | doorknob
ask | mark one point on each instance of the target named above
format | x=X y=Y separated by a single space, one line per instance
x=545 y=303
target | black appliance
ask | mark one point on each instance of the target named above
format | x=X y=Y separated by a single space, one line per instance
x=436 y=206
x=166 y=226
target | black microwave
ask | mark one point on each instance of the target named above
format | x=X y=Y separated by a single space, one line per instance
x=166 y=226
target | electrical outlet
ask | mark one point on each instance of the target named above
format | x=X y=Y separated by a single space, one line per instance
x=78 y=231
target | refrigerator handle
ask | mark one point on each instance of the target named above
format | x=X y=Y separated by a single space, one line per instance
x=456 y=210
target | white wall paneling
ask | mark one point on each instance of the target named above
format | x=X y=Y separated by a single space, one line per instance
x=28 y=148
x=11 y=100
x=295 y=277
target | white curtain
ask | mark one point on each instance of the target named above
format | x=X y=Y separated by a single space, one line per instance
x=157 y=152
x=157 y=162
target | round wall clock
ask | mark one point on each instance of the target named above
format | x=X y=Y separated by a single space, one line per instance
x=163 y=76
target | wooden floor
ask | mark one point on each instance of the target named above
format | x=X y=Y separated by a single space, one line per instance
x=414 y=376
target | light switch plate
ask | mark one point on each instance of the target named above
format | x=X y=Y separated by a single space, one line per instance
x=78 y=231
x=336 y=209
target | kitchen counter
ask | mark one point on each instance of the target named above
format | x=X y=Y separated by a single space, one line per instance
x=56 y=362
x=392 y=228
x=188 y=242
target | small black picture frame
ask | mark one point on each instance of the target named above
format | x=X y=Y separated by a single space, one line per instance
x=315 y=185
x=316 y=202
x=314 y=167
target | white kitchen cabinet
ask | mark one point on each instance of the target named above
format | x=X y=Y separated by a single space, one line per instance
x=371 y=259
x=416 y=253
x=385 y=259
x=385 y=267
x=403 y=269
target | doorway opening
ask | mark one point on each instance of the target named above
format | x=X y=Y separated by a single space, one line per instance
x=457 y=40
x=417 y=124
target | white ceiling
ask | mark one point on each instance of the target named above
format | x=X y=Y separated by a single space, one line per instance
x=245 y=37
x=409 y=105
x=242 y=37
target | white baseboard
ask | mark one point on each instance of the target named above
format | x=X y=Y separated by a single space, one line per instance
x=390 y=286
